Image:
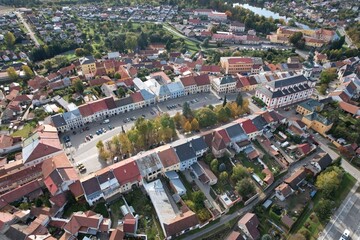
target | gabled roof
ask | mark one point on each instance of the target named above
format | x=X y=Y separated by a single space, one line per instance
x=137 y=97
x=285 y=189
x=202 y=80
x=288 y=81
x=188 y=81
x=251 y=222
x=347 y=107
x=56 y=162
x=234 y=131
x=185 y=151
x=259 y=122
x=83 y=221
x=225 y=137
x=76 y=189
x=296 y=178
x=323 y=159
x=304 y=148
x=168 y=157
x=90 y=185
x=180 y=223
x=198 y=144
x=248 y=126
x=126 y=171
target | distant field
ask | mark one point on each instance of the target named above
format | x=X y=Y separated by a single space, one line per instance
x=5 y=9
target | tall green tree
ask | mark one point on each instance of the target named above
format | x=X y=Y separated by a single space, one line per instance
x=121 y=92
x=214 y=165
x=9 y=39
x=239 y=99
x=12 y=73
x=245 y=187
x=79 y=86
x=328 y=182
x=224 y=102
x=206 y=117
x=186 y=111
x=28 y=72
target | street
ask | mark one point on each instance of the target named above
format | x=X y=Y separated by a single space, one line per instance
x=87 y=153
x=31 y=33
x=347 y=216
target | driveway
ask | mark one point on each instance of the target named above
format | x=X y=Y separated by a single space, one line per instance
x=205 y=188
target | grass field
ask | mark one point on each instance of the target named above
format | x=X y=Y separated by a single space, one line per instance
x=25 y=131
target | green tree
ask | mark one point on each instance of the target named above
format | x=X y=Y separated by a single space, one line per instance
x=324 y=209
x=239 y=99
x=88 y=48
x=222 y=115
x=223 y=177
x=12 y=73
x=80 y=52
x=131 y=41
x=186 y=111
x=206 y=117
x=266 y=237
x=28 y=72
x=38 y=202
x=224 y=102
x=329 y=181
x=100 y=145
x=194 y=125
x=239 y=172
x=198 y=198
x=214 y=165
x=297 y=40
x=328 y=76
x=9 y=39
x=79 y=86
x=121 y=92
x=125 y=143
x=117 y=75
x=245 y=187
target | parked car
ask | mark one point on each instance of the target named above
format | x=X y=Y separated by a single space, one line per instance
x=90 y=135
x=345 y=235
x=66 y=138
x=110 y=127
x=106 y=121
x=116 y=159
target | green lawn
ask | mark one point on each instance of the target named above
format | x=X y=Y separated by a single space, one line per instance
x=27 y=129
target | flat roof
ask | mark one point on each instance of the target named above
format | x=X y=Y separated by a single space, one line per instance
x=161 y=202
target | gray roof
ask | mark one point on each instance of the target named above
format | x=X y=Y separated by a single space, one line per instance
x=123 y=101
x=234 y=131
x=227 y=79
x=91 y=186
x=324 y=161
x=148 y=164
x=185 y=152
x=284 y=92
x=175 y=87
x=58 y=120
x=259 y=122
x=147 y=95
x=197 y=169
x=317 y=117
x=198 y=144
x=311 y=104
x=87 y=60
x=288 y=81
x=72 y=114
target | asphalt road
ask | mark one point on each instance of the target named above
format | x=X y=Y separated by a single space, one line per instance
x=31 y=33
x=347 y=216
x=87 y=153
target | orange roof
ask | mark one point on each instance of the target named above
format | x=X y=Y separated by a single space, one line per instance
x=347 y=107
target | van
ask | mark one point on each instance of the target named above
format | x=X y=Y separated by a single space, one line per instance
x=106 y=121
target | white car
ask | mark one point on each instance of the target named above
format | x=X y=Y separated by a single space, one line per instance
x=345 y=235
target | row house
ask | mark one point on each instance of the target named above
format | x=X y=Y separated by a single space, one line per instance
x=286 y=91
x=224 y=84
x=196 y=84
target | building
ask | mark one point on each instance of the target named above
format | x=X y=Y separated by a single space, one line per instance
x=224 y=84
x=249 y=225
x=186 y=155
x=42 y=144
x=172 y=223
x=58 y=174
x=9 y=144
x=296 y=178
x=88 y=65
x=169 y=159
x=309 y=106
x=317 y=122
x=176 y=183
x=283 y=191
x=149 y=165
x=234 y=65
x=286 y=91
x=321 y=161
x=237 y=27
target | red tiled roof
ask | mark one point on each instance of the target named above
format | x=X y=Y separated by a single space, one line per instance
x=76 y=189
x=304 y=148
x=181 y=223
x=5 y=141
x=59 y=200
x=251 y=222
x=129 y=224
x=126 y=171
x=347 y=107
x=210 y=68
x=58 y=161
x=19 y=192
x=202 y=80
x=248 y=126
x=188 y=81
x=240 y=60
x=99 y=81
x=168 y=157
x=117 y=234
x=82 y=221
x=137 y=97
x=224 y=136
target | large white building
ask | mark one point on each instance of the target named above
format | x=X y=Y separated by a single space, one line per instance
x=286 y=91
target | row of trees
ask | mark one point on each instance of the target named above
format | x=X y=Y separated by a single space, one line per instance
x=191 y=120
x=54 y=48
x=14 y=76
x=144 y=135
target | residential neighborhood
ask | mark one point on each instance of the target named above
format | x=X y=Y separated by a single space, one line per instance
x=179 y=121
